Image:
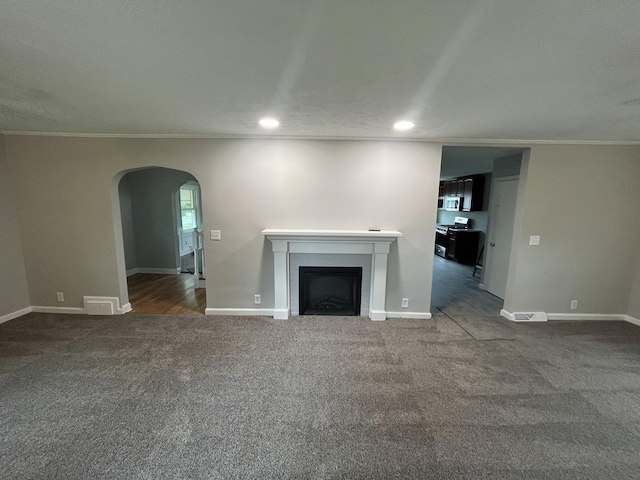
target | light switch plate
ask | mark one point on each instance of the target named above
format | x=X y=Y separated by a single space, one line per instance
x=534 y=240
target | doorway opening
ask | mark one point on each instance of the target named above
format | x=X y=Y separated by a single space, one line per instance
x=162 y=247
x=475 y=218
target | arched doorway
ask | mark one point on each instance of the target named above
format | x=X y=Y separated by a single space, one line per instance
x=150 y=210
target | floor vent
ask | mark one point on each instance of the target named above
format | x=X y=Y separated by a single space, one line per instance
x=530 y=317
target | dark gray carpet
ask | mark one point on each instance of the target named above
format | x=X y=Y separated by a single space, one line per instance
x=150 y=397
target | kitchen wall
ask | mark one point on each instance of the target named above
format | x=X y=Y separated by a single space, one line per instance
x=507 y=166
x=584 y=202
x=247 y=185
x=14 y=293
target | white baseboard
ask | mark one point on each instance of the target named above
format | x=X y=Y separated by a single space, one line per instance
x=585 y=316
x=377 y=315
x=125 y=309
x=92 y=306
x=156 y=271
x=16 y=314
x=284 y=314
x=72 y=310
x=600 y=317
x=416 y=315
x=630 y=319
x=241 y=312
x=280 y=313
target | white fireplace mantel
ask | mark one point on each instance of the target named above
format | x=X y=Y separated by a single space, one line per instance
x=336 y=242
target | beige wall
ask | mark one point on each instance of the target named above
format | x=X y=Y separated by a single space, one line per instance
x=14 y=294
x=66 y=186
x=584 y=202
x=634 y=298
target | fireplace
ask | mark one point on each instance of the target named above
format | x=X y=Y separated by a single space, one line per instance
x=330 y=290
x=372 y=244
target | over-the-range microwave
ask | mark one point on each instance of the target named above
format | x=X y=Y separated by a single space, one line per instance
x=453 y=204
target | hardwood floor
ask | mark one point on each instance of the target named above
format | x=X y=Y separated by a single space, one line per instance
x=454 y=286
x=149 y=293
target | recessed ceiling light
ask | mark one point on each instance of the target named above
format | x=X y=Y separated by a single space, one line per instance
x=403 y=125
x=269 y=122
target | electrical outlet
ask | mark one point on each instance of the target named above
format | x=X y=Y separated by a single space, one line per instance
x=60 y=296
x=405 y=303
x=534 y=240
x=257 y=299
x=216 y=235
x=574 y=304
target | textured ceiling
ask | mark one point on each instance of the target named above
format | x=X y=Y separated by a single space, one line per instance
x=462 y=70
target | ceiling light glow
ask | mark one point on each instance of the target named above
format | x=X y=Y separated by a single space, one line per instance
x=403 y=125
x=269 y=123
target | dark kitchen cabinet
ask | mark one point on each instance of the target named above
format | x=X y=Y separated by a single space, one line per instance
x=471 y=189
x=462 y=246
x=457 y=188
x=473 y=194
x=447 y=189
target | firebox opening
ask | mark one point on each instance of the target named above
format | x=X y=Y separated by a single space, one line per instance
x=330 y=290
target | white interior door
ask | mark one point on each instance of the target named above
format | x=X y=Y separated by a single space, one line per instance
x=503 y=213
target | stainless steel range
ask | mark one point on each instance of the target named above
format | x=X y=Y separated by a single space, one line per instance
x=461 y=223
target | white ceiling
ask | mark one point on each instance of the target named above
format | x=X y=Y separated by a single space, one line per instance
x=462 y=70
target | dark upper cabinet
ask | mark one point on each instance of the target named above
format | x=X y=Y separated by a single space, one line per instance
x=471 y=189
x=447 y=189
x=473 y=194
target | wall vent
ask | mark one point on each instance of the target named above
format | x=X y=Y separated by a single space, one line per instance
x=529 y=317
x=101 y=305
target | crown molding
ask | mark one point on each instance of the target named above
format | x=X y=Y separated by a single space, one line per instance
x=524 y=143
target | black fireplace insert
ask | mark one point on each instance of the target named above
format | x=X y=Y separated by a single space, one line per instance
x=330 y=290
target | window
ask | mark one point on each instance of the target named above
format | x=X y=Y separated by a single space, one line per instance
x=188 y=201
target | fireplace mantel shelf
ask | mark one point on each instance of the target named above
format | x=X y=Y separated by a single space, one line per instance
x=334 y=242
x=310 y=235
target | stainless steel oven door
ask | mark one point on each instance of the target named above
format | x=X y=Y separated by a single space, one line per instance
x=441 y=239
